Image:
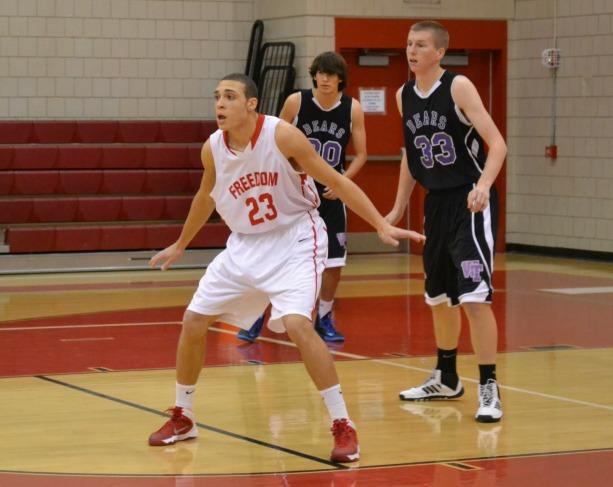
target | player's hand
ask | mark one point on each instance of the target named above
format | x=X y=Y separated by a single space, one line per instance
x=478 y=199
x=329 y=194
x=391 y=235
x=166 y=257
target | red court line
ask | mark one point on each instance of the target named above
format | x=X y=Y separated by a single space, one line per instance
x=520 y=280
x=95 y=286
x=523 y=279
x=59 y=348
x=163 y=284
x=373 y=328
x=103 y=317
x=590 y=468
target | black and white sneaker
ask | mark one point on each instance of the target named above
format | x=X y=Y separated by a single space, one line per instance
x=490 y=408
x=432 y=389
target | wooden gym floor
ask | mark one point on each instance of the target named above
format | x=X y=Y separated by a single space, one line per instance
x=86 y=372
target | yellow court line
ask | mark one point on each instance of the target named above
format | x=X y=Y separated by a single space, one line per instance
x=101 y=325
x=421 y=369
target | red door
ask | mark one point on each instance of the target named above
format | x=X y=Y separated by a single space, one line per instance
x=484 y=43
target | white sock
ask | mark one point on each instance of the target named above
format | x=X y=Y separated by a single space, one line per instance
x=325 y=307
x=185 y=396
x=333 y=398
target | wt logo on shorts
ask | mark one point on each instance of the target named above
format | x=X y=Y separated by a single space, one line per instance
x=472 y=269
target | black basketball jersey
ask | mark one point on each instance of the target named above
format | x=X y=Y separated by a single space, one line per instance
x=443 y=148
x=327 y=130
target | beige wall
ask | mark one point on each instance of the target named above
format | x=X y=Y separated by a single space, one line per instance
x=118 y=58
x=162 y=58
x=568 y=202
x=310 y=23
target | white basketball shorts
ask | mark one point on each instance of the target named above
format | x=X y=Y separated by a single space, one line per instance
x=282 y=267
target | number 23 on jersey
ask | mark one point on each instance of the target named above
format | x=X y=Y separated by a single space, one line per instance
x=261 y=209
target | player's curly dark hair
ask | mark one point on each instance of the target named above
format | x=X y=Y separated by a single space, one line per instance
x=330 y=63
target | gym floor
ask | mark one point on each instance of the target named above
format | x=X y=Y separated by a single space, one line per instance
x=87 y=371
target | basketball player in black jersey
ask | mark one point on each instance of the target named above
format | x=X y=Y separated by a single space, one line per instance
x=445 y=126
x=329 y=119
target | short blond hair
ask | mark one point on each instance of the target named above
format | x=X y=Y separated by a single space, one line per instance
x=439 y=33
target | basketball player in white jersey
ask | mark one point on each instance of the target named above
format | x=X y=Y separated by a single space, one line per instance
x=257 y=175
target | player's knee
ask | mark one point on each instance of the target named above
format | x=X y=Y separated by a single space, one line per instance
x=475 y=310
x=195 y=325
x=298 y=327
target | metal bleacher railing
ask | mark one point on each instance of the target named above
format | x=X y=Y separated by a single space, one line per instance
x=271 y=66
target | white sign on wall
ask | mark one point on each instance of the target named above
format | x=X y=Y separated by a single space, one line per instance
x=373 y=100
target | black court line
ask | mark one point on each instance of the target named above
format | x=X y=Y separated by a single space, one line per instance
x=200 y=425
x=446 y=463
x=547 y=348
x=460 y=466
x=494 y=458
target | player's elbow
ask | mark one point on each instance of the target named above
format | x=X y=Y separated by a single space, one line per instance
x=359 y=160
x=503 y=147
x=499 y=146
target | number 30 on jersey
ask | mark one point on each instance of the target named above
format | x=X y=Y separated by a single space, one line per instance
x=330 y=151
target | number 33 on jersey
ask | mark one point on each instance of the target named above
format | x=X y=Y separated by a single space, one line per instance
x=443 y=148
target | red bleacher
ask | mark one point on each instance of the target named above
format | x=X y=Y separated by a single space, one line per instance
x=87 y=185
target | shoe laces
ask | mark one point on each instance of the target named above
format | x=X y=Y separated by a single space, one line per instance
x=430 y=381
x=341 y=430
x=176 y=413
x=487 y=393
x=327 y=323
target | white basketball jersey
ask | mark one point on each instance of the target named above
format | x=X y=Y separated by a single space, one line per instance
x=257 y=190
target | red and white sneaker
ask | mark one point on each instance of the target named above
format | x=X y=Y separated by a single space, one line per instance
x=346 y=447
x=179 y=427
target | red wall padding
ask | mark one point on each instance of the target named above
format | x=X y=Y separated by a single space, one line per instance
x=80 y=185
x=90 y=238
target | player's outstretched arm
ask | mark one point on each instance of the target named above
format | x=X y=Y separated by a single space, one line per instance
x=406 y=182
x=295 y=147
x=200 y=211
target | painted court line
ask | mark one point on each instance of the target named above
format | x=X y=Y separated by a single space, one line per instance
x=580 y=290
x=421 y=369
x=101 y=325
x=208 y=427
x=85 y=339
x=333 y=352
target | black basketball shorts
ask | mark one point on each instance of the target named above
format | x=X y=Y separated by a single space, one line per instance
x=335 y=217
x=459 y=250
